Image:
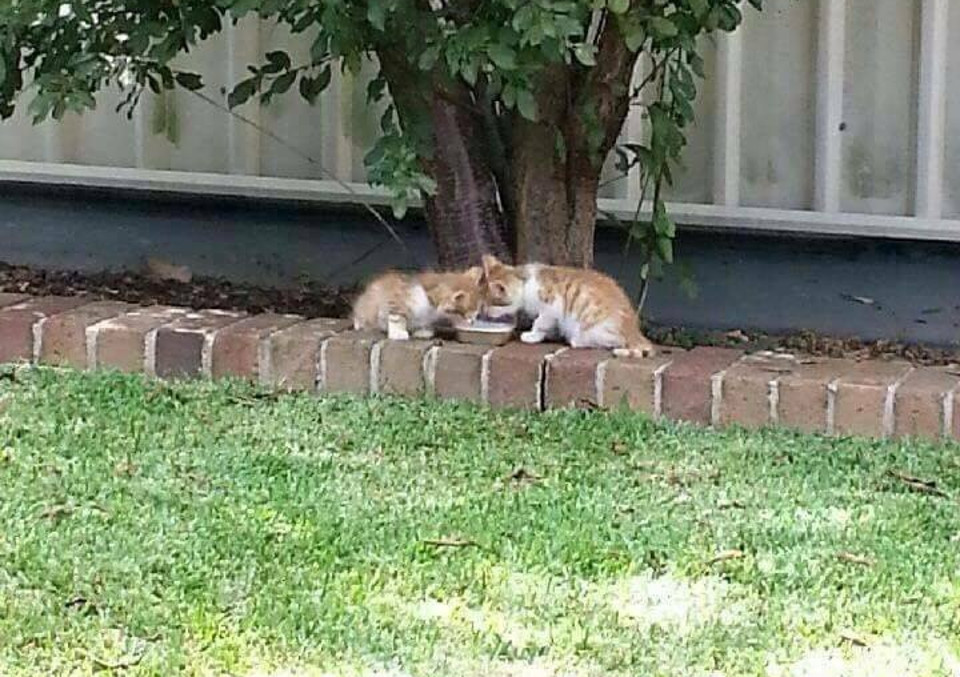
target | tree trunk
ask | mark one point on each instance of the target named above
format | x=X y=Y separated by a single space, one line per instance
x=555 y=197
x=464 y=215
x=557 y=161
x=549 y=177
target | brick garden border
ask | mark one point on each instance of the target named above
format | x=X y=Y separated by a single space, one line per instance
x=707 y=386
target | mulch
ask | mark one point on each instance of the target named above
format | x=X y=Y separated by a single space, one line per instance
x=312 y=299
x=309 y=299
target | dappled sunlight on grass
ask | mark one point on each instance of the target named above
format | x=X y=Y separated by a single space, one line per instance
x=930 y=658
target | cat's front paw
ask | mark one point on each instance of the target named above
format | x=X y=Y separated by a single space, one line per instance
x=532 y=337
x=398 y=335
x=423 y=334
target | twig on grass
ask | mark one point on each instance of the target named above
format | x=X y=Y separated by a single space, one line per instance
x=851 y=558
x=725 y=556
x=917 y=484
x=122 y=664
x=450 y=542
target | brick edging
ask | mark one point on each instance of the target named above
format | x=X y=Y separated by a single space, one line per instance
x=708 y=386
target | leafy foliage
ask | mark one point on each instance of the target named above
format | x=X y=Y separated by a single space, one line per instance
x=498 y=51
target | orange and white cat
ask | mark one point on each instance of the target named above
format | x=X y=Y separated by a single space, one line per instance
x=402 y=305
x=585 y=308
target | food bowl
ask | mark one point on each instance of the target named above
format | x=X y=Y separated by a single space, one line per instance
x=484 y=332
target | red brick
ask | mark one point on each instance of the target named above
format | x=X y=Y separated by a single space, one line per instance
x=17 y=323
x=955 y=406
x=458 y=372
x=515 y=375
x=183 y=348
x=345 y=362
x=861 y=396
x=745 y=392
x=400 y=367
x=120 y=343
x=63 y=337
x=688 y=383
x=294 y=354
x=919 y=406
x=571 y=378
x=802 y=394
x=237 y=349
x=12 y=299
x=632 y=383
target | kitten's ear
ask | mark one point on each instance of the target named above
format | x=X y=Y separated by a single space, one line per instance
x=475 y=274
x=458 y=296
x=489 y=263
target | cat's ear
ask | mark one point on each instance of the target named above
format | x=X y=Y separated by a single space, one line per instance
x=475 y=275
x=458 y=296
x=489 y=263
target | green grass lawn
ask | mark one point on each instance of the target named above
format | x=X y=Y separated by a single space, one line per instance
x=148 y=529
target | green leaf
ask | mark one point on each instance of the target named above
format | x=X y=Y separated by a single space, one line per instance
x=377 y=14
x=469 y=72
x=400 y=207
x=282 y=84
x=191 y=81
x=663 y=28
x=665 y=249
x=527 y=104
x=757 y=4
x=663 y=224
x=241 y=93
x=618 y=6
x=730 y=18
x=509 y=96
x=386 y=120
x=502 y=56
x=428 y=58
x=699 y=7
x=634 y=34
x=376 y=89
x=308 y=89
x=323 y=79
x=277 y=61
x=697 y=64
x=586 y=54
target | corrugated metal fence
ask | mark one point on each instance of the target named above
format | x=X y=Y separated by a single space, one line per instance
x=827 y=116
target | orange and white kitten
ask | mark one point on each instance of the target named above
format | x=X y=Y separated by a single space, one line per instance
x=585 y=308
x=402 y=304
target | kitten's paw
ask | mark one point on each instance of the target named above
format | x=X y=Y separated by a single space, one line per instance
x=423 y=334
x=531 y=337
x=639 y=351
x=398 y=335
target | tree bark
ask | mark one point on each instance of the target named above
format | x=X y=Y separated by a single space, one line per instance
x=555 y=169
x=464 y=216
x=555 y=199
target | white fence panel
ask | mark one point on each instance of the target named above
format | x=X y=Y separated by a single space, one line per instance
x=951 y=162
x=820 y=115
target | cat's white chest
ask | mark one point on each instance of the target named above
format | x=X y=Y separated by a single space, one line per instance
x=422 y=311
x=568 y=326
x=532 y=305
